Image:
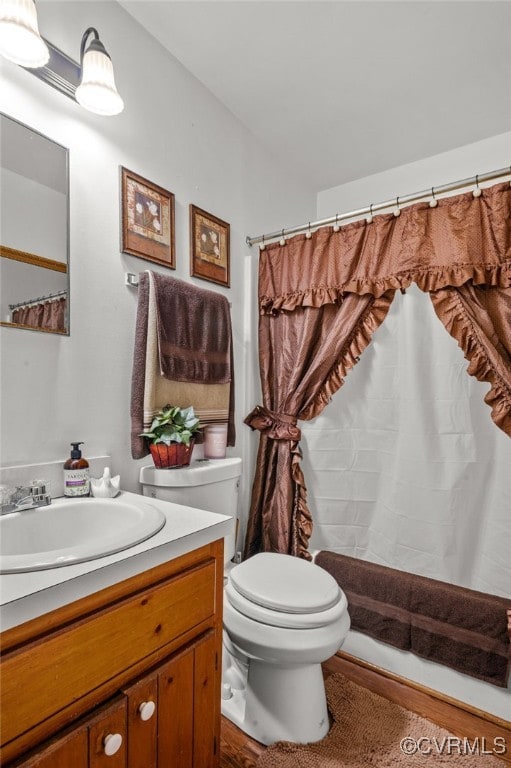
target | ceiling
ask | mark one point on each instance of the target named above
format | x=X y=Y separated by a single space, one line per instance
x=340 y=90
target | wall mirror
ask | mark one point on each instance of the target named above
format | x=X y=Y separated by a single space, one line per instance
x=34 y=230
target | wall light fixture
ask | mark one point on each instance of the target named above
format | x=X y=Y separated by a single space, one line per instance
x=97 y=91
x=91 y=83
x=20 y=40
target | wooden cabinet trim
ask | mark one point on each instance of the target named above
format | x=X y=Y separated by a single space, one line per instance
x=32 y=258
x=37 y=628
x=66 y=750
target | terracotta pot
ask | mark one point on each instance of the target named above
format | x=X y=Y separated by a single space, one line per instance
x=173 y=455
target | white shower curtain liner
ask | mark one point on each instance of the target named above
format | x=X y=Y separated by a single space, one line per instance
x=405 y=466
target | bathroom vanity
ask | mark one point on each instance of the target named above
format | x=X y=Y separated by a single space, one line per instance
x=116 y=661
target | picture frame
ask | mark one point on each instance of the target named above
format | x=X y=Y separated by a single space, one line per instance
x=209 y=247
x=147 y=219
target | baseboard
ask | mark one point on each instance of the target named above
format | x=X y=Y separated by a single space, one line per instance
x=458 y=718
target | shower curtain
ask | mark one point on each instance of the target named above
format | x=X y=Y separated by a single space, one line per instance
x=405 y=467
x=49 y=315
x=321 y=300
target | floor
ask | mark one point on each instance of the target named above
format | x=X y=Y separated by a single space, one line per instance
x=237 y=750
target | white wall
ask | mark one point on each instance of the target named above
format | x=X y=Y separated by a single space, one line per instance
x=175 y=133
x=461 y=163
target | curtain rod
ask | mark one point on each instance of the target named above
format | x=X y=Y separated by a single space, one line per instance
x=397 y=201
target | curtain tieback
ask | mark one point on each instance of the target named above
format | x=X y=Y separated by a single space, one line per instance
x=278 y=426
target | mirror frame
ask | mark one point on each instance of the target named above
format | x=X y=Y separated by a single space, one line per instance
x=41 y=261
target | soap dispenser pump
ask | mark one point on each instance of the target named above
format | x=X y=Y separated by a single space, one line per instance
x=76 y=473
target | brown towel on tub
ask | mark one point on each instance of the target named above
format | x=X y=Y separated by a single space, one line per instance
x=213 y=402
x=458 y=627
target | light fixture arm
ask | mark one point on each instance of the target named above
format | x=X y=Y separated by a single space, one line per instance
x=95 y=44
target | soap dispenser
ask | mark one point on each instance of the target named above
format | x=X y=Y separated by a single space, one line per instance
x=76 y=473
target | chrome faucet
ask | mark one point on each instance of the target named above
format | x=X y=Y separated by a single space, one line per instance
x=24 y=497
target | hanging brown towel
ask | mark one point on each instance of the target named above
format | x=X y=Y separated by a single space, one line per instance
x=194 y=332
x=183 y=355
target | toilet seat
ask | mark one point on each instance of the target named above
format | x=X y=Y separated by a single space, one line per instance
x=285 y=591
x=282 y=619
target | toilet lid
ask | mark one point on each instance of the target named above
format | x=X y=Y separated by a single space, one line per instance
x=258 y=613
x=286 y=584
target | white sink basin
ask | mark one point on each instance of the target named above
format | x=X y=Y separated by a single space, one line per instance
x=73 y=531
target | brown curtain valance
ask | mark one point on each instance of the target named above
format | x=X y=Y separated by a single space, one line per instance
x=463 y=238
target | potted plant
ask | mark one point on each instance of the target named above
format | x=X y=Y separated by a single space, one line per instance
x=171 y=436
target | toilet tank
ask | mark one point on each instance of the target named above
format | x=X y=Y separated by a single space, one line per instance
x=206 y=484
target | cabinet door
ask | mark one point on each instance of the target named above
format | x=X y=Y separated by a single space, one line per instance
x=66 y=752
x=175 y=712
x=206 y=703
x=107 y=737
x=143 y=708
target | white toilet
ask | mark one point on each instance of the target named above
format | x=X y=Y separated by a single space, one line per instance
x=283 y=616
x=204 y=484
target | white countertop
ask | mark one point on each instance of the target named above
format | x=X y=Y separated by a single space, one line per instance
x=24 y=596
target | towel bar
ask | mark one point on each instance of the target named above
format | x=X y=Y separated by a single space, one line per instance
x=132 y=280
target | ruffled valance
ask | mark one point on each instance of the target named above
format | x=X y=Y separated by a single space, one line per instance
x=480 y=321
x=465 y=238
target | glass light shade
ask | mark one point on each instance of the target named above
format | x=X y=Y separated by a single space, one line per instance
x=20 y=41
x=97 y=91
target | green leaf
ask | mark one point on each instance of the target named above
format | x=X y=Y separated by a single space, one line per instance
x=173 y=424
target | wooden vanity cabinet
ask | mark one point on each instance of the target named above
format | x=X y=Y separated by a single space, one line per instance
x=133 y=670
x=84 y=745
x=67 y=751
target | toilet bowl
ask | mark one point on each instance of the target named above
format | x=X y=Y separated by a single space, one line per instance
x=283 y=616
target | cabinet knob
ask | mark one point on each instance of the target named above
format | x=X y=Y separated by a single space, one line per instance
x=146 y=710
x=112 y=744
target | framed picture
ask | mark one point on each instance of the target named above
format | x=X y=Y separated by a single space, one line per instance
x=147 y=213
x=209 y=247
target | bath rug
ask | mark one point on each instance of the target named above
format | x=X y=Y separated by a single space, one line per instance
x=368 y=731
